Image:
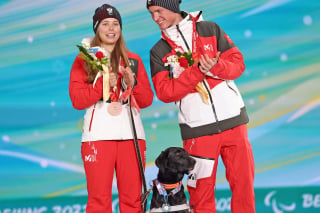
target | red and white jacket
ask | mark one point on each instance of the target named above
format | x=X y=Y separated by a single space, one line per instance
x=98 y=123
x=226 y=108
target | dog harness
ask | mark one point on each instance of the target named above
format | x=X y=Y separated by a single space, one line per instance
x=176 y=187
x=171 y=209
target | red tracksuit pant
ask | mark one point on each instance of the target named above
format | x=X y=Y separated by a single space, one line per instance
x=101 y=159
x=236 y=154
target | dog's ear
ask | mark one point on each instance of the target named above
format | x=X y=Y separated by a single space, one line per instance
x=160 y=161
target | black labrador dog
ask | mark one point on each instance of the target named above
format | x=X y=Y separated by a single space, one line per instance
x=168 y=191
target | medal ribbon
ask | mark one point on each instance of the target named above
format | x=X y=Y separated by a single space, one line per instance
x=105 y=82
x=129 y=91
x=115 y=91
x=195 y=36
x=195 y=56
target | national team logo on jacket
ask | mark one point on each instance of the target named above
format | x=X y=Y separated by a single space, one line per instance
x=208 y=47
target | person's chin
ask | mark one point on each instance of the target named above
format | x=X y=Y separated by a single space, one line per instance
x=162 y=26
x=111 y=40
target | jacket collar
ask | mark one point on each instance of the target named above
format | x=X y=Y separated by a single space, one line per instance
x=185 y=26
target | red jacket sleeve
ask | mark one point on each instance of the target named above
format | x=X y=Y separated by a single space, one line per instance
x=231 y=64
x=142 y=90
x=170 y=90
x=81 y=93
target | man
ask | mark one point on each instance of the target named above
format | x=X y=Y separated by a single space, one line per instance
x=212 y=115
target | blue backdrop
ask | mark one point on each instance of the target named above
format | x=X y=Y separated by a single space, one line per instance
x=41 y=132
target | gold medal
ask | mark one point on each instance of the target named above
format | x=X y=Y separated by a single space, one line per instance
x=115 y=108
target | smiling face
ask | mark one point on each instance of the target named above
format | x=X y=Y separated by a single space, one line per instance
x=109 y=31
x=163 y=17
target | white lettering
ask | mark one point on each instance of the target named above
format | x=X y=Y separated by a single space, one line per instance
x=90 y=158
x=115 y=205
x=42 y=209
x=75 y=208
x=207 y=47
x=317 y=201
x=307 y=200
x=56 y=209
x=87 y=158
x=310 y=200
x=67 y=209
x=223 y=204
x=25 y=210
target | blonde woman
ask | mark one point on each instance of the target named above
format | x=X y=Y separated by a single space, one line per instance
x=107 y=139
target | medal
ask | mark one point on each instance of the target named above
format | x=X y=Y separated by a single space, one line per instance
x=115 y=108
x=166 y=207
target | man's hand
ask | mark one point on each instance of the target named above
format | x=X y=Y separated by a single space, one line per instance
x=207 y=63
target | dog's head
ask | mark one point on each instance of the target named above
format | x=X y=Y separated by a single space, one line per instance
x=173 y=163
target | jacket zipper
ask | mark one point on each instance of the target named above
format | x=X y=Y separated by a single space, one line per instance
x=183 y=38
x=94 y=107
x=231 y=88
x=185 y=42
x=212 y=105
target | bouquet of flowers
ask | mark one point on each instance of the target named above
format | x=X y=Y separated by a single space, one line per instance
x=98 y=60
x=179 y=61
x=94 y=57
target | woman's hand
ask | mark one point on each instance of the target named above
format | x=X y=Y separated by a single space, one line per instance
x=112 y=79
x=128 y=76
x=207 y=63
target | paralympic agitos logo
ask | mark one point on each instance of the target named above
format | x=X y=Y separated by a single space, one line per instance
x=277 y=206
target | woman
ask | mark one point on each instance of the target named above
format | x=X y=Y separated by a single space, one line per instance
x=107 y=139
